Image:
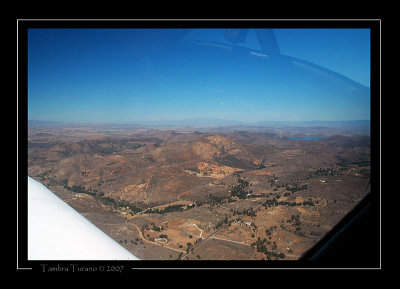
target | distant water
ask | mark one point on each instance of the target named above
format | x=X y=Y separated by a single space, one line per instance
x=306 y=138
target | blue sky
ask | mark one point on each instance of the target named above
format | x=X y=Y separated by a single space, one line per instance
x=128 y=76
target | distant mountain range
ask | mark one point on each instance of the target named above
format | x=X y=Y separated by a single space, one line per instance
x=218 y=124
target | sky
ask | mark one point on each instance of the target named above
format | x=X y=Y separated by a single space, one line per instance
x=144 y=75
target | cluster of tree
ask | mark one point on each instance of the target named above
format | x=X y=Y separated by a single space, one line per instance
x=296 y=188
x=270 y=230
x=230 y=200
x=156 y=228
x=79 y=189
x=326 y=172
x=296 y=231
x=263 y=249
x=273 y=180
x=243 y=183
x=189 y=247
x=171 y=208
x=275 y=203
x=197 y=241
x=254 y=195
x=224 y=221
x=239 y=189
x=215 y=199
x=109 y=201
x=295 y=220
x=194 y=169
x=135 y=242
x=308 y=203
x=199 y=204
x=360 y=162
x=260 y=166
x=124 y=204
x=212 y=200
x=236 y=191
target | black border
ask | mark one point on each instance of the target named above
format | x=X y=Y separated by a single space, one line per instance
x=22 y=92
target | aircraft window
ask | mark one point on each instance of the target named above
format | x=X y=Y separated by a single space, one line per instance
x=206 y=144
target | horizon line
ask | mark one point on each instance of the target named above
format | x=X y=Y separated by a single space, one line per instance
x=184 y=122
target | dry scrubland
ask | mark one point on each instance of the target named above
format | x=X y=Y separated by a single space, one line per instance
x=185 y=194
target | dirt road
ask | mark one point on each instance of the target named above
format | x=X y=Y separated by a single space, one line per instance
x=150 y=242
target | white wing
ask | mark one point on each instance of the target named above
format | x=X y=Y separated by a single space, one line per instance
x=57 y=232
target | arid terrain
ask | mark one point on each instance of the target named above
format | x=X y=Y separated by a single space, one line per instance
x=204 y=194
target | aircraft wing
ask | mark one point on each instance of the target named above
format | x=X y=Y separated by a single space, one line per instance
x=57 y=232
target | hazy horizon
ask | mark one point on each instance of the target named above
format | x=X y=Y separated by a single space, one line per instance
x=209 y=123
